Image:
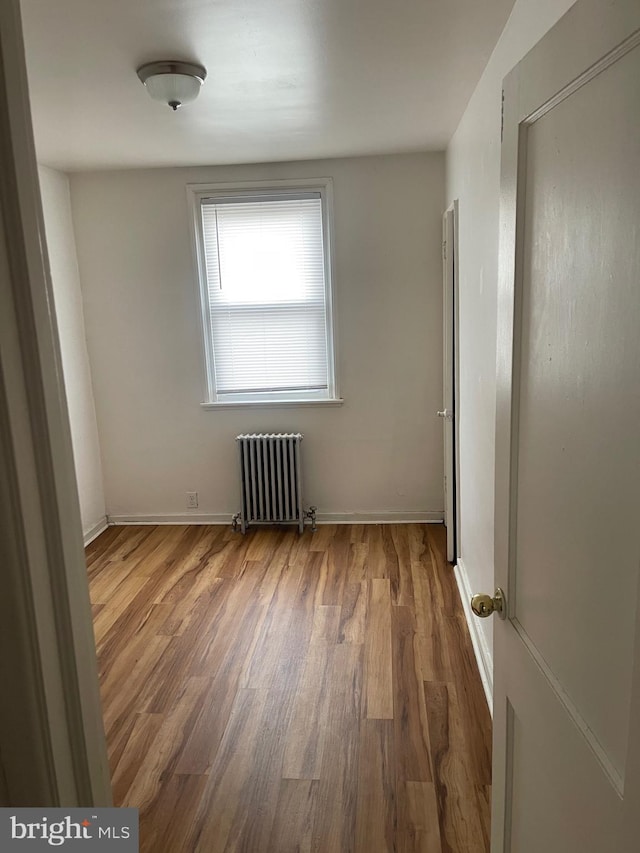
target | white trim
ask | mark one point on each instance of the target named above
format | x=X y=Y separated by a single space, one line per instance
x=272 y=404
x=172 y=518
x=195 y=194
x=95 y=530
x=478 y=639
x=452 y=325
x=381 y=517
x=53 y=726
x=456 y=371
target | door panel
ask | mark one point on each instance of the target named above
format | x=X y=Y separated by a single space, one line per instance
x=577 y=548
x=567 y=547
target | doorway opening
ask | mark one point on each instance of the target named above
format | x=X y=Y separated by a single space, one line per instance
x=450 y=383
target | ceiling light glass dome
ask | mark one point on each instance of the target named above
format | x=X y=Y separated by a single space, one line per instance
x=172 y=83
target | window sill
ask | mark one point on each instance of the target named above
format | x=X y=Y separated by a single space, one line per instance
x=273 y=404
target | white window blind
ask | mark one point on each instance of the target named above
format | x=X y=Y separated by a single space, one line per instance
x=267 y=297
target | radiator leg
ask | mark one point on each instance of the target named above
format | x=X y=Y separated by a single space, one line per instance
x=235 y=521
x=311 y=514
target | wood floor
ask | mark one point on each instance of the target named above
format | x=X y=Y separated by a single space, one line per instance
x=277 y=692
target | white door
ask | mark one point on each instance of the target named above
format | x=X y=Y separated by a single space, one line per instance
x=567 y=657
x=447 y=412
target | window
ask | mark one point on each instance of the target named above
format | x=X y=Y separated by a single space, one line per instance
x=264 y=265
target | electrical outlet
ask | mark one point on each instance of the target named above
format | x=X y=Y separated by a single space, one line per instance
x=192 y=500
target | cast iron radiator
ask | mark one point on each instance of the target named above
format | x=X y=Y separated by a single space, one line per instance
x=271 y=481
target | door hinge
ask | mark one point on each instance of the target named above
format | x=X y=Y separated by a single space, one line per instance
x=444 y=250
x=502 y=118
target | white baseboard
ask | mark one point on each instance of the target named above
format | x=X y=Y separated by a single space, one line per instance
x=177 y=518
x=382 y=517
x=478 y=639
x=95 y=531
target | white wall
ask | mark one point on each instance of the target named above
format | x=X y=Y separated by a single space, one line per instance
x=473 y=177
x=381 y=452
x=75 y=361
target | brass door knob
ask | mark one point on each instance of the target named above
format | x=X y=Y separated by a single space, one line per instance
x=483 y=605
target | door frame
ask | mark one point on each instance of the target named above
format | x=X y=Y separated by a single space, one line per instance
x=52 y=744
x=451 y=364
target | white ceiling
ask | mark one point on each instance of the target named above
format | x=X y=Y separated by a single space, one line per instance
x=288 y=79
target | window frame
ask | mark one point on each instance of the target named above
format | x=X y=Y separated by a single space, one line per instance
x=291 y=188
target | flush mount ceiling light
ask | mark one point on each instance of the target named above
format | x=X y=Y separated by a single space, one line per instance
x=173 y=83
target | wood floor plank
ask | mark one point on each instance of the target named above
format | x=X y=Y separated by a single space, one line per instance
x=376 y=811
x=126 y=640
x=326 y=624
x=391 y=563
x=293 y=824
x=105 y=583
x=309 y=592
x=95 y=551
x=378 y=683
x=133 y=670
x=272 y=571
x=483 y=793
x=323 y=537
x=353 y=613
x=434 y=656
x=300 y=546
x=232 y=557
x=95 y=609
x=117 y=741
x=167 y=744
x=444 y=587
x=154 y=554
x=215 y=639
x=250 y=771
x=357 y=565
x=162 y=824
x=138 y=617
x=460 y=824
x=358 y=533
x=125 y=591
x=218 y=809
x=308 y=727
x=276 y=692
x=185 y=613
x=262 y=543
x=399 y=536
x=418 y=823
x=337 y=558
x=285 y=594
x=209 y=727
x=138 y=744
x=253 y=830
x=192 y=575
x=334 y=825
x=422 y=594
x=417 y=536
x=376 y=561
x=470 y=712
x=263 y=663
x=410 y=715
x=197 y=625
x=116 y=545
